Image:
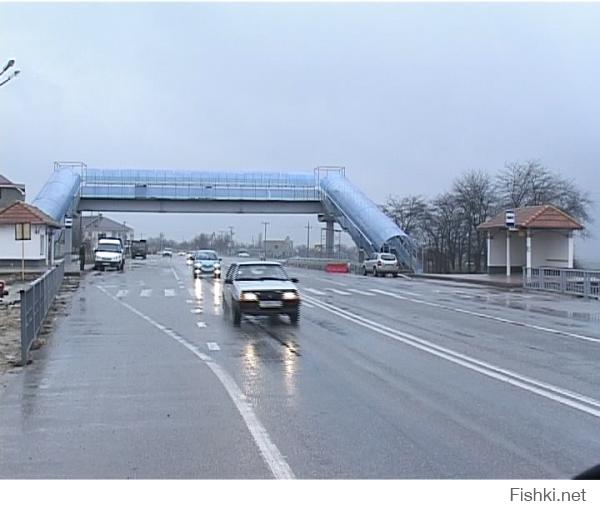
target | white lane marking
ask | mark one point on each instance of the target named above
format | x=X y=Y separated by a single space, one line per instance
x=339 y=292
x=402 y=291
x=362 y=292
x=175 y=274
x=146 y=293
x=308 y=305
x=490 y=317
x=404 y=276
x=315 y=291
x=122 y=293
x=201 y=324
x=555 y=393
x=269 y=451
x=213 y=346
x=196 y=310
x=189 y=301
x=169 y=292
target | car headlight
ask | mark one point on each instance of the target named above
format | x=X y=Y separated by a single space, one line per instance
x=217 y=266
x=289 y=295
x=249 y=296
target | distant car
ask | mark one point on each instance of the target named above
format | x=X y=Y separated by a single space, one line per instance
x=381 y=264
x=181 y=254
x=260 y=289
x=206 y=262
x=189 y=259
x=167 y=253
x=243 y=254
x=109 y=253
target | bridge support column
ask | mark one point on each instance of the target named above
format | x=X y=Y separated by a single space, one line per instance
x=329 y=240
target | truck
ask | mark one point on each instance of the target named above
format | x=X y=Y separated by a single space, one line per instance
x=139 y=249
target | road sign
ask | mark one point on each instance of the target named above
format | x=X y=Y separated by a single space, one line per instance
x=23 y=232
x=68 y=222
x=510 y=218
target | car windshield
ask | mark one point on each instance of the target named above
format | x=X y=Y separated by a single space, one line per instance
x=388 y=256
x=109 y=247
x=254 y=272
x=206 y=256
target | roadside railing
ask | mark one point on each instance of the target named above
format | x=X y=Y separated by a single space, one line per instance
x=36 y=300
x=576 y=282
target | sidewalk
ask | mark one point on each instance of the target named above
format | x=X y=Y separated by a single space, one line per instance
x=490 y=280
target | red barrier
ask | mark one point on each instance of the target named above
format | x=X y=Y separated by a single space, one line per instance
x=339 y=267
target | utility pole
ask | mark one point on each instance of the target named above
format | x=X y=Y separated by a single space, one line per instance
x=231 y=239
x=265 y=223
x=308 y=227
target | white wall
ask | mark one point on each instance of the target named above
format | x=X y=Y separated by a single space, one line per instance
x=11 y=249
x=518 y=249
x=550 y=248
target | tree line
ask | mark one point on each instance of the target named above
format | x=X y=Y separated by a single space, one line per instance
x=445 y=226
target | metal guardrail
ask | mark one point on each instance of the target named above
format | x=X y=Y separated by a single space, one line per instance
x=575 y=282
x=35 y=303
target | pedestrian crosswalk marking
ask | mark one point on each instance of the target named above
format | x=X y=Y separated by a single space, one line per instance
x=339 y=292
x=146 y=293
x=169 y=292
x=361 y=292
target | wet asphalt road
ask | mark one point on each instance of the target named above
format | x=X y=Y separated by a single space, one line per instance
x=383 y=378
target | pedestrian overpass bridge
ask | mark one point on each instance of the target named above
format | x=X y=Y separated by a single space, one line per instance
x=74 y=188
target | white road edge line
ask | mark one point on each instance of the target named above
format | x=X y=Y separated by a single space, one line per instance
x=490 y=317
x=549 y=391
x=269 y=451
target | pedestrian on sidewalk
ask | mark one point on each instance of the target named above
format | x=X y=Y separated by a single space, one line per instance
x=82 y=257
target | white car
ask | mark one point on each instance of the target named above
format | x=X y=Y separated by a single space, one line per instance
x=262 y=289
x=109 y=253
x=243 y=254
x=381 y=264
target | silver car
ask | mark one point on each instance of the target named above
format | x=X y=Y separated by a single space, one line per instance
x=381 y=264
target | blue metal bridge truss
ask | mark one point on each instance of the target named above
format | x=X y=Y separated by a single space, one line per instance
x=326 y=191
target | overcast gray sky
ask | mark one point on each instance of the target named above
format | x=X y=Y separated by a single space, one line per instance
x=405 y=96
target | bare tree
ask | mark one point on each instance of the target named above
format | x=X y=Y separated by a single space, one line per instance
x=408 y=213
x=531 y=183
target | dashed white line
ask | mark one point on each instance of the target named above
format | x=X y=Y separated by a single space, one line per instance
x=201 y=324
x=122 y=293
x=269 y=451
x=315 y=291
x=169 y=292
x=146 y=293
x=196 y=310
x=213 y=346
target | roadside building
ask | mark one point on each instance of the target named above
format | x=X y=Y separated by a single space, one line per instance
x=98 y=226
x=10 y=192
x=39 y=250
x=279 y=249
x=533 y=237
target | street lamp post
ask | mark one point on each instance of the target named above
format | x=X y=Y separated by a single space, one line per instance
x=308 y=227
x=14 y=74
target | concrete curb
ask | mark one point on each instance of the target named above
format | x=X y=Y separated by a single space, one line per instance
x=471 y=281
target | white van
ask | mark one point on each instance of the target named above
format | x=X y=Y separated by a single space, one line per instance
x=109 y=253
